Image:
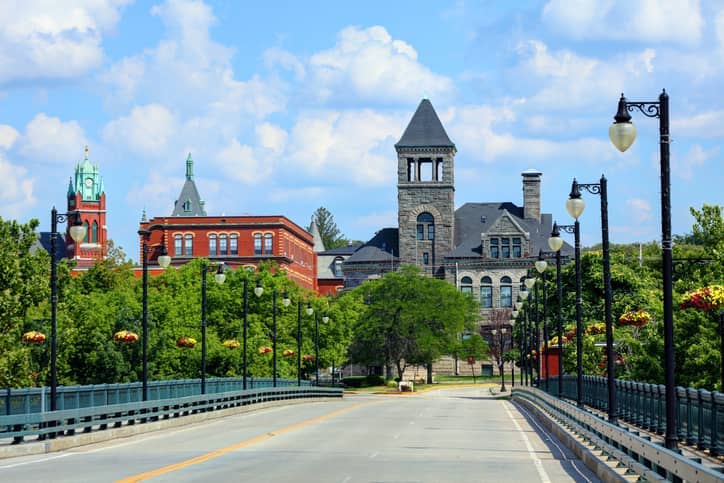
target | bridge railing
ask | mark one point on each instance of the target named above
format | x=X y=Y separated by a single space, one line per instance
x=37 y=399
x=51 y=424
x=700 y=413
x=649 y=459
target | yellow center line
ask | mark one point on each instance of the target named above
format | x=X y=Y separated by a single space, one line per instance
x=222 y=451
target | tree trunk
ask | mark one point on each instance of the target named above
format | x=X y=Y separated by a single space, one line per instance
x=429 y=372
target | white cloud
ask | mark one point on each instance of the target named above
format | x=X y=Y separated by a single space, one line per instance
x=369 y=64
x=295 y=194
x=8 y=136
x=352 y=145
x=286 y=60
x=686 y=166
x=48 y=39
x=50 y=139
x=159 y=193
x=271 y=137
x=677 y=21
x=239 y=163
x=377 y=220
x=16 y=189
x=708 y=124
x=639 y=210
x=147 y=130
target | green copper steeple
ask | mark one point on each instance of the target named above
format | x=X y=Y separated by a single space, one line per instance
x=87 y=181
x=189 y=167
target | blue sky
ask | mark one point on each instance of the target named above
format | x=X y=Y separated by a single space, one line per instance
x=288 y=106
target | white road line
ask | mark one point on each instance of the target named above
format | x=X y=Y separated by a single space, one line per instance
x=34 y=461
x=536 y=462
x=374 y=455
x=347 y=479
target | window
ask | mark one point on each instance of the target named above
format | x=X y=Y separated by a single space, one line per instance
x=505 y=247
x=257 y=244
x=87 y=232
x=338 y=267
x=426 y=258
x=223 y=248
x=178 y=245
x=94 y=233
x=410 y=169
x=486 y=292
x=187 y=206
x=516 y=248
x=466 y=285
x=212 y=245
x=268 y=244
x=493 y=248
x=234 y=244
x=425 y=220
x=506 y=292
x=188 y=245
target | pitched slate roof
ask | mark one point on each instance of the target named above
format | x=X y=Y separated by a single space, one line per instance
x=424 y=129
x=341 y=251
x=381 y=248
x=473 y=219
x=189 y=202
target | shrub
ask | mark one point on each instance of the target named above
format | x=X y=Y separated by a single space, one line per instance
x=374 y=380
x=354 y=381
x=391 y=384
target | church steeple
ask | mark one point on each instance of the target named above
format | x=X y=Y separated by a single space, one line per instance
x=189 y=203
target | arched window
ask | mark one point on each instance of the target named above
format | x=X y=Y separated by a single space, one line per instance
x=178 y=245
x=257 y=244
x=87 y=232
x=94 y=232
x=338 y=267
x=188 y=245
x=506 y=292
x=425 y=222
x=486 y=292
x=268 y=244
x=466 y=285
x=212 y=245
x=223 y=247
x=234 y=244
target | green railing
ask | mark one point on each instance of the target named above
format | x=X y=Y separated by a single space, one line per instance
x=37 y=399
x=700 y=413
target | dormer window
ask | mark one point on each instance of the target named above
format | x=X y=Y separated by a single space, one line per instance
x=505 y=247
x=516 y=247
x=187 y=206
x=494 y=248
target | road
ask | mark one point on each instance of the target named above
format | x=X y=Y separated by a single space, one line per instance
x=447 y=435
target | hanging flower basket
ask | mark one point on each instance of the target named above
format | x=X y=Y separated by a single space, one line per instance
x=636 y=318
x=33 y=337
x=186 y=342
x=596 y=329
x=125 y=337
x=288 y=353
x=307 y=357
x=705 y=298
x=232 y=344
x=570 y=335
x=265 y=350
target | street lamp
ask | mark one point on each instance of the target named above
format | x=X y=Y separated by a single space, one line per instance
x=220 y=277
x=244 y=330
x=575 y=207
x=512 y=346
x=623 y=133
x=164 y=261
x=555 y=242
x=77 y=233
x=601 y=189
x=309 y=311
x=540 y=266
x=522 y=344
x=530 y=282
x=258 y=291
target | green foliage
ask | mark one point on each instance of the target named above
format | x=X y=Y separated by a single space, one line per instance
x=331 y=235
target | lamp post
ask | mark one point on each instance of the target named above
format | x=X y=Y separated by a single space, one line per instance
x=164 y=261
x=244 y=329
x=575 y=208
x=77 y=233
x=512 y=346
x=310 y=311
x=540 y=266
x=220 y=277
x=555 y=242
x=299 y=343
x=623 y=133
x=522 y=344
x=601 y=189
x=530 y=283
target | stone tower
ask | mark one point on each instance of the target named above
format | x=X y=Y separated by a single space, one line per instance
x=86 y=195
x=425 y=191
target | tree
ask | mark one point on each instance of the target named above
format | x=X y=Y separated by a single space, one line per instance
x=331 y=235
x=410 y=319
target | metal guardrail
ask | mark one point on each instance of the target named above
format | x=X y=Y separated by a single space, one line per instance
x=651 y=460
x=700 y=413
x=51 y=424
x=37 y=399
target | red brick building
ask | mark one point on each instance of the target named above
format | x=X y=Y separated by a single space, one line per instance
x=237 y=241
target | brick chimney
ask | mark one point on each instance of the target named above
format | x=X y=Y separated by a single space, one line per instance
x=531 y=194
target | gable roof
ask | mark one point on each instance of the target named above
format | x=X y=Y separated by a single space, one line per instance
x=474 y=219
x=381 y=248
x=424 y=129
x=189 y=194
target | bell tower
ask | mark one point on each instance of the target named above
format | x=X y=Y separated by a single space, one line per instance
x=86 y=195
x=425 y=191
